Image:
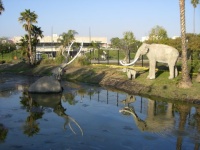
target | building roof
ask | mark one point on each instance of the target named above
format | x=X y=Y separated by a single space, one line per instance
x=78 y=39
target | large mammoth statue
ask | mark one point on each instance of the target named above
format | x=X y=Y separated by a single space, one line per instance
x=157 y=53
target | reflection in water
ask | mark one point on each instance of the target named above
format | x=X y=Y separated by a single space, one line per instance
x=129 y=99
x=196 y=125
x=36 y=104
x=183 y=111
x=160 y=118
x=154 y=121
x=3 y=132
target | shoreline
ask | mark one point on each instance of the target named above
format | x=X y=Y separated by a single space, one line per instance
x=113 y=77
x=120 y=82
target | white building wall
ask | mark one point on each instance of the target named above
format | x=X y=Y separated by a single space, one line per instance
x=54 y=38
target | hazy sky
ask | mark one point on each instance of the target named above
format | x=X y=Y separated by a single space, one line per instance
x=107 y=18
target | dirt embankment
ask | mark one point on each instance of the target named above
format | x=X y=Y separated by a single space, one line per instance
x=116 y=79
x=159 y=89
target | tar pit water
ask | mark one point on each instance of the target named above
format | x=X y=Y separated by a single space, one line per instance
x=93 y=118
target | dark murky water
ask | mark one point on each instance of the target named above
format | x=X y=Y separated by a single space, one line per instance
x=91 y=117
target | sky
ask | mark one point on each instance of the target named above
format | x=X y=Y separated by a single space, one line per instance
x=99 y=18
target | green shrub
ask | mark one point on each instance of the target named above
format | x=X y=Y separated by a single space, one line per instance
x=81 y=61
x=195 y=62
x=59 y=59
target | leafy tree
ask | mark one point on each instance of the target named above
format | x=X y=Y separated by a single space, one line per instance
x=194 y=3
x=193 y=46
x=23 y=44
x=71 y=34
x=115 y=42
x=1 y=7
x=157 y=33
x=185 y=80
x=36 y=32
x=95 y=46
x=6 y=46
x=193 y=43
x=127 y=42
x=29 y=18
x=176 y=43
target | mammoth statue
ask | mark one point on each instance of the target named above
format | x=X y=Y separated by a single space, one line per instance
x=157 y=53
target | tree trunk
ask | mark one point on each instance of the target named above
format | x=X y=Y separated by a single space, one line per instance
x=185 y=80
x=30 y=45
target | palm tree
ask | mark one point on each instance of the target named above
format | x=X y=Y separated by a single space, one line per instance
x=1 y=7
x=66 y=38
x=185 y=80
x=23 y=44
x=30 y=18
x=71 y=34
x=36 y=33
x=183 y=111
x=194 y=3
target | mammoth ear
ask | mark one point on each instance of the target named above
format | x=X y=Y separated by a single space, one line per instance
x=145 y=49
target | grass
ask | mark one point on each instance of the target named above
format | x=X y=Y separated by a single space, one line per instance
x=160 y=87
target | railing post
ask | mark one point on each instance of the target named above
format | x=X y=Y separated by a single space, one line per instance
x=142 y=60
x=98 y=56
x=118 y=56
x=108 y=57
x=90 y=57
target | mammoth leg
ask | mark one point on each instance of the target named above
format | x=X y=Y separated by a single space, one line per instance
x=133 y=72
x=172 y=71
x=152 y=67
x=129 y=74
x=176 y=71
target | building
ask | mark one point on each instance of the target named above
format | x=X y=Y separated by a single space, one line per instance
x=144 y=38
x=50 y=44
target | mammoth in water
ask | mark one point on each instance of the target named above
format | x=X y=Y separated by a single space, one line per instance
x=157 y=53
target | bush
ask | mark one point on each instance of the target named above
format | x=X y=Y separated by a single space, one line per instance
x=81 y=61
x=195 y=63
x=59 y=59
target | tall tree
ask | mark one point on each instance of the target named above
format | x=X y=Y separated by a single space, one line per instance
x=65 y=39
x=194 y=3
x=115 y=42
x=128 y=40
x=23 y=44
x=29 y=18
x=185 y=80
x=1 y=7
x=71 y=34
x=36 y=34
x=158 y=33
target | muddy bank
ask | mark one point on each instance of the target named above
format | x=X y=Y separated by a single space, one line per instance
x=116 y=79
x=112 y=77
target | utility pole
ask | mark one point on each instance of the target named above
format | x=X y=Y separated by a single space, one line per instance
x=89 y=35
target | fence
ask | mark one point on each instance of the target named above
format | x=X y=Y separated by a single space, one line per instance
x=110 y=57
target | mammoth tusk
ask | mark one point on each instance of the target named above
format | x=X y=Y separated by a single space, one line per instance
x=68 y=50
x=74 y=56
x=71 y=128
x=76 y=124
x=124 y=64
x=70 y=47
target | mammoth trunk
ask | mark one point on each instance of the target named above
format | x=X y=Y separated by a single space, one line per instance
x=137 y=55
